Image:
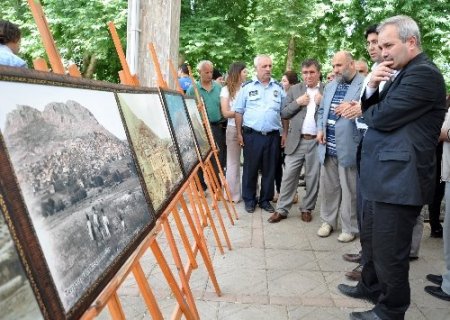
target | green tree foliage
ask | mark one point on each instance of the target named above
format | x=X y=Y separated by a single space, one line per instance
x=225 y=31
x=79 y=29
x=215 y=30
x=317 y=28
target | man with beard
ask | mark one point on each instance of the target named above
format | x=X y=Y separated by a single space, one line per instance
x=338 y=140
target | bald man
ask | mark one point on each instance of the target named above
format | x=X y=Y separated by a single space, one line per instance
x=362 y=67
x=338 y=139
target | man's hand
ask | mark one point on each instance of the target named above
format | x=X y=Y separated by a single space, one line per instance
x=283 y=139
x=303 y=100
x=381 y=73
x=349 y=110
x=317 y=98
x=240 y=139
x=320 y=137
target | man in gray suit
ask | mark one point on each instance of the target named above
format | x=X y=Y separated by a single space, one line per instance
x=338 y=140
x=302 y=102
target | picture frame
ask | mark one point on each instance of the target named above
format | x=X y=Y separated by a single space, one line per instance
x=151 y=136
x=68 y=171
x=198 y=126
x=182 y=128
x=17 y=299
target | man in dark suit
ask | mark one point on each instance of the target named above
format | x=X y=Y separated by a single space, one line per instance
x=302 y=102
x=397 y=164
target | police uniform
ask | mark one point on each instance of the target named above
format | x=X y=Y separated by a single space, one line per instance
x=260 y=106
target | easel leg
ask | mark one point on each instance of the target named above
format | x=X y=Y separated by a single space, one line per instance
x=184 y=237
x=115 y=308
x=218 y=190
x=171 y=280
x=209 y=215
x=216 y=208
x=147 y=292
x=201 y=242
x=177 y=259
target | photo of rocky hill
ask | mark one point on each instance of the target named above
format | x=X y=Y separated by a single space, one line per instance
x=78 y=180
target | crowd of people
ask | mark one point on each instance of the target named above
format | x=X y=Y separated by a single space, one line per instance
x=370 y=141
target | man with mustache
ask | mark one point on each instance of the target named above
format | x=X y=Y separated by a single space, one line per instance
x=258 y=123
x=397 y=164
x=338 y=140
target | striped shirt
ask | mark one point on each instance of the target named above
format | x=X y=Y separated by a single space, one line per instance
x=338 y=97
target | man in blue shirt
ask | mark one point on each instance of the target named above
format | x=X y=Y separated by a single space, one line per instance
x=258 y=123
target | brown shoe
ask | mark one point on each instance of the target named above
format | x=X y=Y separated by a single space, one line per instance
x=355 y=274
x=295 y=198
x=306 y=216
x=276 y=217
x=352 y=257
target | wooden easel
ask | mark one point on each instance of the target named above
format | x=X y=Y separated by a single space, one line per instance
x=223 y=185
x=172 y=208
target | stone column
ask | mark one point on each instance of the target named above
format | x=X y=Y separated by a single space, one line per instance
x=159 y=24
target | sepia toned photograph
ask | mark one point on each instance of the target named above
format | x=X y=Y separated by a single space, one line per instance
x=17 y=300
x=182 y=129
x=77 y=176
x=197 y=126
x=153 y=144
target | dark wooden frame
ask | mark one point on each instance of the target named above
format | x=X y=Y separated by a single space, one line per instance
x=163 y=93
x=205 y=154
x=20 y=222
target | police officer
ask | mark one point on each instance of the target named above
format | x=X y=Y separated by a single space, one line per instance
x=258 y=124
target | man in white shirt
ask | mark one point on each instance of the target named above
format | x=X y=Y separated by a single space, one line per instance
x=302 y=102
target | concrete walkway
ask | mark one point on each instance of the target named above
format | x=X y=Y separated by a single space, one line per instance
x=281 y=271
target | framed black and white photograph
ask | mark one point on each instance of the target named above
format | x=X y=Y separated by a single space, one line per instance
x=197 y=126
x=152 y=140
x=184 y=135
x=69 y=169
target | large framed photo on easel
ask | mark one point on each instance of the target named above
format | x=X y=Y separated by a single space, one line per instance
x=68 y=172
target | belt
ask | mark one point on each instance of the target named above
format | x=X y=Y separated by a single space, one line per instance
x=216 y=123
x=308 y=136
x=264 y=133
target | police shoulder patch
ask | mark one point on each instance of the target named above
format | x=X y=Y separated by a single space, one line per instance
x=246 y=83
x=278 y=83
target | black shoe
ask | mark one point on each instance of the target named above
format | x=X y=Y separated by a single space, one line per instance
x=365 y=315
x=434 y=278
x=352 y=257
x=413 y=258
x=436 y=233
x=250 y=208
x=267 y=207
x=355 y=292
x=437 y=292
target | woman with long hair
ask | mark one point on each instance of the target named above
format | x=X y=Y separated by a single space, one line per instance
x=237 y=74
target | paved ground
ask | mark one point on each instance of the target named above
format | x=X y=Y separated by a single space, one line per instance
x=281 y=271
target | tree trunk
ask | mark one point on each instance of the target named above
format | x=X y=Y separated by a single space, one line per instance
x=91 y=67
x=160 y=25
x=290 y=54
